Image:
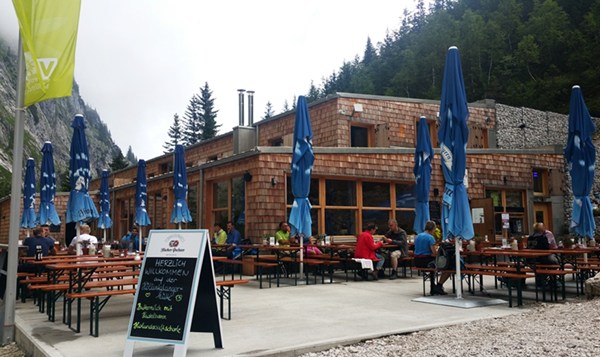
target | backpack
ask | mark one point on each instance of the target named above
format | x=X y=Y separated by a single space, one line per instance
x=445 y=258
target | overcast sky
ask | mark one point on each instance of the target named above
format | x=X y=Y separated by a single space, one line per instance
x=139 y=61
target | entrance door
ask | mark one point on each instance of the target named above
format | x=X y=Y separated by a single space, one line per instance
x=542 y=212
x=483 y=221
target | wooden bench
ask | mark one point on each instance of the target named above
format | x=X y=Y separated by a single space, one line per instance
x=96 y=305
x=506 y=276
x=224 y=293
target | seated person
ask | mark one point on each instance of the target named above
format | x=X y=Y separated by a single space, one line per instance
x=542 y=239
x=32 y=243
x=220 y=237
x=282 y=236
x=234 y=238
x=130 y=241
x=311 y=250
x=425 y=257
x=85 y=239
x=366 y=247
x=396 y=236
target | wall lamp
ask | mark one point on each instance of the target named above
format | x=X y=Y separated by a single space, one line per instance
x=273 y=181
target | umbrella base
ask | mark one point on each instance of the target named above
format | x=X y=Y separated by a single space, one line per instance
x=464 y=303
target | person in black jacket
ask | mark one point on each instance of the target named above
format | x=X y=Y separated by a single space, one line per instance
x=396 y=236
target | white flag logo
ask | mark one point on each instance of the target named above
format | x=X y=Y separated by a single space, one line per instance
x=47 y=66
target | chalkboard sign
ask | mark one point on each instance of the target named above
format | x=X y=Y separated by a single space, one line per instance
x=167 y=294
x=163 y=301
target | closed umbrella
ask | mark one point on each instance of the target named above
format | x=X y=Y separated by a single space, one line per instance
x=141 y=199
x=453 y=135
x=104 y=221
x=47 y=213
x=181 y=212
x=80 y=207
x=422 y=171
x=580 y=154
x=28 y=218
x=303 y=159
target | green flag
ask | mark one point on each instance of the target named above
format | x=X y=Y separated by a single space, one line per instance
x=49 y=35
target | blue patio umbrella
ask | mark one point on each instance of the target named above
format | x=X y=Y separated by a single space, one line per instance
x=453 y=135
x=580 y=154
x=181 y=212
x=141 y=199
x=28 y=219
x=80 y=207
x=47 y=213
x=302 y=164
x=104 y=221
x=303 y=159
x=422 y=171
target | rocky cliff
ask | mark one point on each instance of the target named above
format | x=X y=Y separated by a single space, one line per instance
x=47 y=121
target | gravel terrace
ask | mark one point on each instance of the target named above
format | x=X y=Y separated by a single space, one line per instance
x=563 y=329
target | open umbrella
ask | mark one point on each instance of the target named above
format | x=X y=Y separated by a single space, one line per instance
x=80 y=207
x=104 y=221
x=580 y=154
x=47 y=213
x=422 y=171
x=302 y=165
x=141 y=198
x=28 y=218
x=181 y=212
x=453 y=135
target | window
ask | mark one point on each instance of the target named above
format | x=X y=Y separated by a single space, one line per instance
x=166 y=167
x=276 y=142
x=313 y=196
x=340 y=222
x=511 y=202
x=340 y=193
x=229 y=202
x=540 y=182
x=360 y=136
x=376 y=194
x=406 y=196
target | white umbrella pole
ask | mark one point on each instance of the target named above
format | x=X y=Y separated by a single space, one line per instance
x=179 y=225
x=457 y=277
x=301 y=255
x=27 y=233
x=104 y=236
x=141 y=237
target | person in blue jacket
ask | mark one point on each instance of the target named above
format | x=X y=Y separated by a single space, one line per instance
x=131 y=241
x=234 y=238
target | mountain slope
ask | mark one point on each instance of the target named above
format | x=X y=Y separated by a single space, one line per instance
x=47 y=121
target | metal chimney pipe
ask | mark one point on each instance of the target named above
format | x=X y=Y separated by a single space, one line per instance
x=241 y=96
x=250 y=107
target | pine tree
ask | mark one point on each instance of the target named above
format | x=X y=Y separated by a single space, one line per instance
x=313 y=93
x=208 y=113
x=175 y=135
x=294 y=100
x=130 y=156
x=370 y=52
x=64 y=181
x=118 y=161
x=286 y=106
x=269 y=111
x=192 y=128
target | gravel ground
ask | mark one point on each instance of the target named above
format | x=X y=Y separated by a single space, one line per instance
x=11 y=350
x=568 y=329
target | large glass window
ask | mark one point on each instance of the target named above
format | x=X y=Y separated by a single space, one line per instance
x=313 y=196
x=340 y=222
x=509 y=202
x=193 y=206
x=225 y=209
x=359 y=136
x=341 y=193
x=376 y=194
x=406 y=220
x=406 y=196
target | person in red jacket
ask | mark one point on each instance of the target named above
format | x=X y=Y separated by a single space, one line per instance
x=366 y=247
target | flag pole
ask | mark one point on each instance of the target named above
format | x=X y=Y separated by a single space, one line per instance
x=8 y=324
